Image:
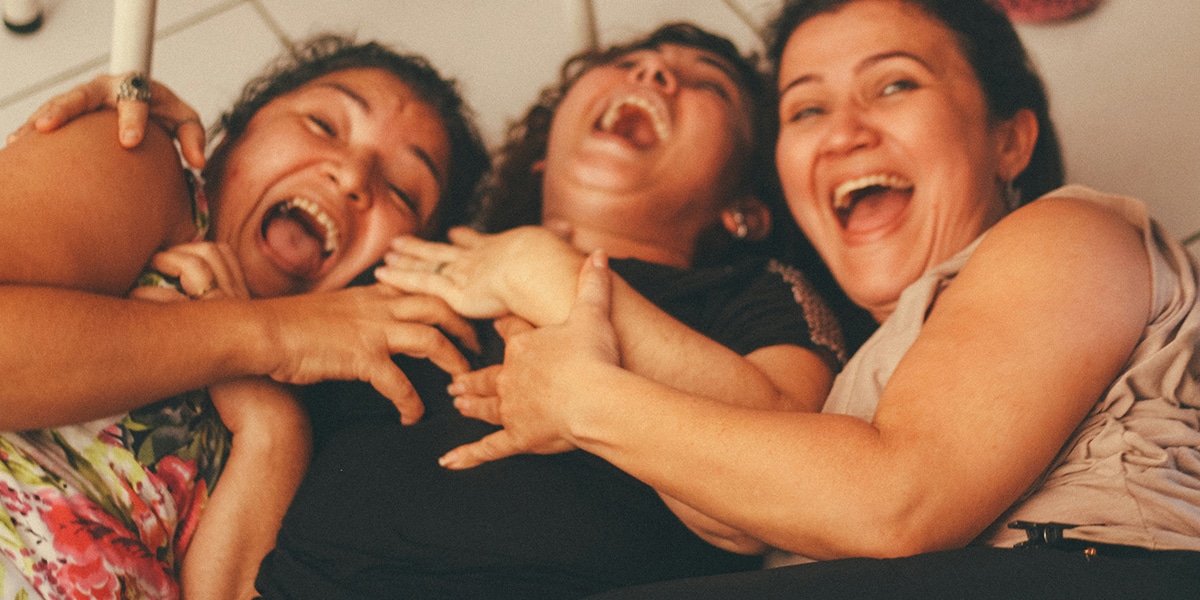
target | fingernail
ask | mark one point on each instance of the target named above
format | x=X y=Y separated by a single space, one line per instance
x=449 y=459
x=599 y=259
x=462 y=404
x=455 y=388
x=128 y=137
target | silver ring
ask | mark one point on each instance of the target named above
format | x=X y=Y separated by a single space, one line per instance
x=134 y=86
x=440 y=266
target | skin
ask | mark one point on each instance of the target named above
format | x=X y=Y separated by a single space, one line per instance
x=646 y=201
x=357 y=142
x=1014 y=353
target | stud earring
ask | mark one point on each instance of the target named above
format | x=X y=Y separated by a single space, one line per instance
x=741 y=230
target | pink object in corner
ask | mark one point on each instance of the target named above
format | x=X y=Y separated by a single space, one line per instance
x=1040 y=11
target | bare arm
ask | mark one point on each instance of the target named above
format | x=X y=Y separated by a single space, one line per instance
x=532 y=273
x=271 y=449
x=1014 y=354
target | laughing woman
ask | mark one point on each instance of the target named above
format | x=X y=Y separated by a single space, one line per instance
x=1034 y=381
x=327 y=157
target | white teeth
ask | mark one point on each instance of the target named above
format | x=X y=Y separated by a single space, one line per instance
x=841 y=196
x=321 y=217
x=661 y=128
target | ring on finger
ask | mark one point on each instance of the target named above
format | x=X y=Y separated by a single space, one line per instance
x=134 y=86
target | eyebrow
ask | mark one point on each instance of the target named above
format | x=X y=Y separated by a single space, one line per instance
x=866 y=63
x=366 y=106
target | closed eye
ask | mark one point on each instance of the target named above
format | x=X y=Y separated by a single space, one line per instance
x=404 y=199
x=321 y=124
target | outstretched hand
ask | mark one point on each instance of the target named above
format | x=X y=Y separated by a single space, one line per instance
x=352 y=334
x=164 y=107
x=536 y=384
x=485 y=276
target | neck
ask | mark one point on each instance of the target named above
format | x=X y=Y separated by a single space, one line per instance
x=587 y=239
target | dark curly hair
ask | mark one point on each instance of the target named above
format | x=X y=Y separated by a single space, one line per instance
x=996 y=55
x=328 y=53
x=514 y=196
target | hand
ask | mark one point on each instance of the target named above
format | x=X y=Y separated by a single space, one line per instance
x=352 y=334
x=487 y=276
x=205 y=270
x=165 y=108
x=536 y=383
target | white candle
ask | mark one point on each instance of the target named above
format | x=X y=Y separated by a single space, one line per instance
x=132 y=36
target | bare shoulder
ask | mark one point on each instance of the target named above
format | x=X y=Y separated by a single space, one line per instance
x=1068 y=239
x=88 y=213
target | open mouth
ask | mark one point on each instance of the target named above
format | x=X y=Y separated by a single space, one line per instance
x=637 y=120
x=300 y=235
x=869 y=200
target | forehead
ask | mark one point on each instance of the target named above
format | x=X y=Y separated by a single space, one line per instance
x=392 y=106
x=867 y=28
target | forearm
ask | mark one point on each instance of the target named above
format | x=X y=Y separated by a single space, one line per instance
x=71 y=356
x=271 y=450
x=824 y=485
x=653 y=343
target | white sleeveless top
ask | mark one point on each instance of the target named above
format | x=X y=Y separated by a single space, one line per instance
x=1130 y=474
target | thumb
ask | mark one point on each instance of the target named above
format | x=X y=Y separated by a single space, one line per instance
x=593 y=293
x=131 y=121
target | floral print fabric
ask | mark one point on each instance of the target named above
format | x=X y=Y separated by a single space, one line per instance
x=106 y=509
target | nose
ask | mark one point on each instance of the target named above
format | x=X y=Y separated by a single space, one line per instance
x=652 y=70
x=351 y=176
x=847 y=131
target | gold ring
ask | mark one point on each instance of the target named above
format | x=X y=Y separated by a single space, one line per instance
x=134 y=86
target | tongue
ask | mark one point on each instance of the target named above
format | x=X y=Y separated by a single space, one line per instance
x=297 y=249
x=876 y=210
x=635 y=126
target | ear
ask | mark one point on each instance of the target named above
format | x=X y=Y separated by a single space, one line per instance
x=755 y=218
x=1016 y=138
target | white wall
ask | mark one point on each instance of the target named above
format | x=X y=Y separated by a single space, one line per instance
x=1124 y=80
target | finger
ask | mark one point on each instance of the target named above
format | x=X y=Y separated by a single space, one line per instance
x=70 y=104
x=511 y=325
x=156 y=293
x=190 y=134
x=492 y=447
x=422 y=341
x=390 y=381
x=416 y=282
x=432 y=252
x=465 y=237
x=594 y=290
x=475 y=383
x=484 y=408
x=434 y=311
x=131 y=121
x=195 y=276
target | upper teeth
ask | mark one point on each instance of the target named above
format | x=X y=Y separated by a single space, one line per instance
x=841 y=196
x=321 y=217
x=661 y=128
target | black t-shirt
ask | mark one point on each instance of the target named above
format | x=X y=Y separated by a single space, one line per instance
x=376 y=517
